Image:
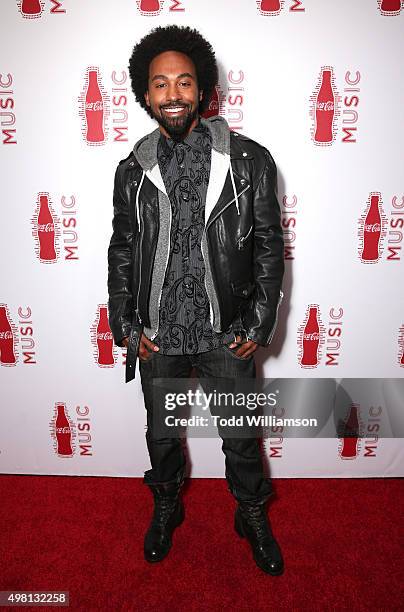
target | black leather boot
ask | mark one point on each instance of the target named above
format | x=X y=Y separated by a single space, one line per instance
x=251 y=521
x=168 y=514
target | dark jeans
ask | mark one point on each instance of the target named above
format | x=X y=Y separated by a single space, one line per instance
x=244 y=465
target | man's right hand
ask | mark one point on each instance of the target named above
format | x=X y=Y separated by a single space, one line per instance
x=146 y=346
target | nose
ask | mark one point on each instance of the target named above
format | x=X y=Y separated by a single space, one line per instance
x=173 y=92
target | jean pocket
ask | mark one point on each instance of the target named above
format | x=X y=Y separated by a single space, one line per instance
x=232 y=352
x=149 y=358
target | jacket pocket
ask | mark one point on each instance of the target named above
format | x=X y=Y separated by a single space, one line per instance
x=242 y=289
x=241 y=241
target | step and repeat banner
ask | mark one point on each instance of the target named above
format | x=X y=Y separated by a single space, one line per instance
x=319 y=83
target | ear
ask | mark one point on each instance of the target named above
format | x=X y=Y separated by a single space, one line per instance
x=146 y=97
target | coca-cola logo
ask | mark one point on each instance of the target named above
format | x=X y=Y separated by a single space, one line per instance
x=272 y=8
x=55 y=238
x=17 y=337
x=315 y=339
x=309 y=338
x=324 y=109
x=229 y=100
x=7 y=335
x=69 y=437
x=376 y=227
x=95 y=106
x=105 y=351
x=152 y=8
x=33 y=9
x=8 y=338
x=64 y=429
x=372 y=229
x=401 y=347
x=350 y=430
x=390 y=8
x=104 y=336
x=47 y=227
x=313 y=336
x=327 y=106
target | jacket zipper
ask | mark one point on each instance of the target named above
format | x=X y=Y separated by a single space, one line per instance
x=212 y=318
x=276 y=318
x=140 y=265
x=227 y=205
x=241 y=240
x=164 y=275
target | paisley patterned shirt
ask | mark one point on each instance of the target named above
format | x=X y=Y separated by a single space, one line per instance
x=184 y=315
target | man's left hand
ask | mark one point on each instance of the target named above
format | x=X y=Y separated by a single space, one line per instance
x=245 y=349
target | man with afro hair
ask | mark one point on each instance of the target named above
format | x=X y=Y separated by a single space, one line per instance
x=195 y=269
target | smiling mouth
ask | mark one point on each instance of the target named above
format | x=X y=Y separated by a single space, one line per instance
x=173 y=110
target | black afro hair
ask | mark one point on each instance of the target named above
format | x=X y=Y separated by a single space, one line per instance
x=173 y=38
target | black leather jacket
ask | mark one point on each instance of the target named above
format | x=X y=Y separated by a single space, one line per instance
x=244 y=240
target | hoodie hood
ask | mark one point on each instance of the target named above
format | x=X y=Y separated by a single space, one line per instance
x=145 y=150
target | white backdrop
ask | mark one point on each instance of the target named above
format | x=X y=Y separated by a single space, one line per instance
x=271 y=59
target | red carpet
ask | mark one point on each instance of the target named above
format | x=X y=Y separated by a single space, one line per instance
x=342 y=542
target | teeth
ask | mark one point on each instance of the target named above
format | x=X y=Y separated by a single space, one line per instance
x=174 y=110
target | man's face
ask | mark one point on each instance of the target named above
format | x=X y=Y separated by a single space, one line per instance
x=173 y=95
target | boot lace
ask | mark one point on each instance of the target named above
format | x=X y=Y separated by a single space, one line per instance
x=256 y=518
x=164 y=508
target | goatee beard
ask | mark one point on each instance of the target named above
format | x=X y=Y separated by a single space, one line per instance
x=177 y=128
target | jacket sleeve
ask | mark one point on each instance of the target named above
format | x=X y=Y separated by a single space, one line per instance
x=262 y=314
x=120 y=303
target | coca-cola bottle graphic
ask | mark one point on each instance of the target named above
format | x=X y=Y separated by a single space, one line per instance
x=94 y=106
x=311 y=339
x=104 y=339
x=63 y=431
x=390 y=6
x=7 y=348
x=325 y=108
x=31 y=7
x=350 y=435
x=372 y=230
x=213 y=108
x=149 y=6
x=401 y=346
x=46 y=230
x=270 y=6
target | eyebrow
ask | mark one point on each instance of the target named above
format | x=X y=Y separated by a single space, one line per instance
x=180 y=76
